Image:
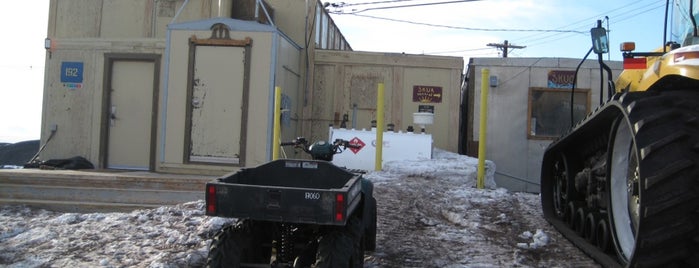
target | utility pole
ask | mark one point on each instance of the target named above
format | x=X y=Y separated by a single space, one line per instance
x=504 y=47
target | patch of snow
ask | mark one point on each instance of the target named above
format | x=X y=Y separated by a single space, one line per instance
x=429 y=215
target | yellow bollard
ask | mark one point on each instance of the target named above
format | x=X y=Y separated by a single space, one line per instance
x=276 y=143
x=485 y=76
x=379 y=128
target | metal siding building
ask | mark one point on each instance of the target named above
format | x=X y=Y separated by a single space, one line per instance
x=526 y=90
x=185 y=86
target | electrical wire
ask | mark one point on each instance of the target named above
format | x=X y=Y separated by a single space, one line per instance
x=467 y=28
x=627 y=15
x=584 y=23
x=343 y=4
x=542 y=36
x=401 y=6
x=457 y=51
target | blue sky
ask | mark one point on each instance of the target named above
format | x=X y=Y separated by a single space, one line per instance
x=24 y=27
x=630 y=20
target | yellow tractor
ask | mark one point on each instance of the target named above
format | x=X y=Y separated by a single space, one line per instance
x=623 y=183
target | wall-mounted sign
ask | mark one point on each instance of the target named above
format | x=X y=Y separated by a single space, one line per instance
x=560 y=79
x=427 y=94
x=425 y=109
x=72 y=74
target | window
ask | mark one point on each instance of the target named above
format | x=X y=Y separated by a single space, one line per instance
x=319 y=17
x=327 y=34
x=549 y=111
x=331 y=36
x=324 y=31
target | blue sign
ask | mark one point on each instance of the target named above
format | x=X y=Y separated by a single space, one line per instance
x=71 y=72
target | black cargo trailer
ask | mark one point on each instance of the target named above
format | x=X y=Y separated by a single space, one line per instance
x=294 y=213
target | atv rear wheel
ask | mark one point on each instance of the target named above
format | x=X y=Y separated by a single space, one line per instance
x=236 y=246
x=334 y=250
x=342 y=247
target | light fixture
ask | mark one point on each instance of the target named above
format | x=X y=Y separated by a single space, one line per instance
x=47 y=43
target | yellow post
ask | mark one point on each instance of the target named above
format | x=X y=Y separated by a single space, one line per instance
x=485 y=77
x=277 y=123
x=379 y=128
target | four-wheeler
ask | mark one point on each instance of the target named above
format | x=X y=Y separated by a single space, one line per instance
x=623 y=183
x=294 y=212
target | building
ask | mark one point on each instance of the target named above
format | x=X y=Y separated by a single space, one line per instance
x=528 y=107
x=186 y=86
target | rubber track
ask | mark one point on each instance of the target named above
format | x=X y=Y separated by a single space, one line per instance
x=667 y=135
x=666 y=127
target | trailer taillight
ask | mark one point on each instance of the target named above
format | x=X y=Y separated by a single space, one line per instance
x=211 y=199
x=339 y=207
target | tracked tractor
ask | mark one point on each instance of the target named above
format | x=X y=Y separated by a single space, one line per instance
x=623 y=183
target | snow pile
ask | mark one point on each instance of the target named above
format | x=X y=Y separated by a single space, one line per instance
x=175 y=236
x=429 y=215
x=444 y=165
x=539 y=239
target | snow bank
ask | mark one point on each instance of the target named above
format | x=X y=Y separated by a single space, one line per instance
x=444 y=165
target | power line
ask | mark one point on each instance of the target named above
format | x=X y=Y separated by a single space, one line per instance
x=466 y=28
x=549 y=35
x=552 y=38
x=583 y=23
x=505 y=47
x=456 y=51
x=626 y=15
x=390 y=7
x=343 y=4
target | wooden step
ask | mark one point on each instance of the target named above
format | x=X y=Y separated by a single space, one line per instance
x=95 y=191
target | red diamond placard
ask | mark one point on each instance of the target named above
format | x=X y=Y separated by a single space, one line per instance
x=357 y=142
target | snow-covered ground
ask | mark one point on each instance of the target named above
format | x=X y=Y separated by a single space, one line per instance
x=429 y=215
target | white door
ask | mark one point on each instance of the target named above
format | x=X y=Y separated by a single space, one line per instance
x=217 y=104
x=130 y=115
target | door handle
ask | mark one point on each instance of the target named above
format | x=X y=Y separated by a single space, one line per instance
x=196 y=103
x=112 y=116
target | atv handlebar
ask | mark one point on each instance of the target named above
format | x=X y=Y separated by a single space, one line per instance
x=321 y=150
x=296 y=142
x=347 y=144
x=302 y=143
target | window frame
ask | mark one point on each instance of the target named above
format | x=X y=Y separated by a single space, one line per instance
x=566 y=92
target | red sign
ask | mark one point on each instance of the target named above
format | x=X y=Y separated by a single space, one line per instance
x=561 y=79
x=357 y=142
x=634 y=63
x=427 y=94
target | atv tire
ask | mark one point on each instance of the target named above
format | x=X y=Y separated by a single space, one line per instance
x=236 y=245
x=370 y=233
x=342 y=247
